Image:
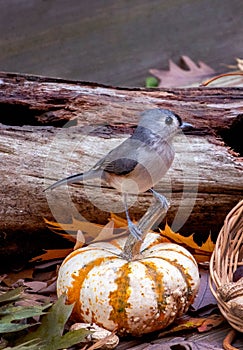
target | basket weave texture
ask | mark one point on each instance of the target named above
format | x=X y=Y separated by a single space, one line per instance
x=226 y=258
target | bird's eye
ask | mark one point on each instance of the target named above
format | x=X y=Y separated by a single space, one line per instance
x=168 y=120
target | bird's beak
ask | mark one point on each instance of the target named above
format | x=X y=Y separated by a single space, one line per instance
x=186 y=126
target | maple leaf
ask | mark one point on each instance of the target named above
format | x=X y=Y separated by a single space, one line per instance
x=76 y=225
x=179 y=77
x=82 y=232
x=202 y=253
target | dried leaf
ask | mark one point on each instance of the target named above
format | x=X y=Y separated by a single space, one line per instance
x=181 y=343
x=13 y=277
x=178 y=77
x=52 y=254
x=205 y=250
x=74 y=226
x=202 y=324
x=107 y=233
x=184 y=324
x=35 y=286
x=80 y=240
x=240 y=64
x=210 y=322
x=118 y=221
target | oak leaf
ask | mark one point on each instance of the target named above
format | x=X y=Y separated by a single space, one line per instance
x=179 y=77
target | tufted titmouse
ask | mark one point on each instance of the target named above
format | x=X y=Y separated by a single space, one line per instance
x=139 y=162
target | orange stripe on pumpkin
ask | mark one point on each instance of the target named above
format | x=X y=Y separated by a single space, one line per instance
x=73 y=292
x=186 y=276
x=157 y=277
x=118 y=298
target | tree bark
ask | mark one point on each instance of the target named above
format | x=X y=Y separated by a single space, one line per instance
x=52 y=128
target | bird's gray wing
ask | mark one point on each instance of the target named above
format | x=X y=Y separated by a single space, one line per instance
x=121 y=160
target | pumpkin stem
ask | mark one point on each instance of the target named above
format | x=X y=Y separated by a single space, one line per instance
x=153 y=216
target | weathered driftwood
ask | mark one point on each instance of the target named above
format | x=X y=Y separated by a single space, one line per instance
x=36 y=150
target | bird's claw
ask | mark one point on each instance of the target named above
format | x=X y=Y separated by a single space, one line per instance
x=160 y=198
x=134 y=230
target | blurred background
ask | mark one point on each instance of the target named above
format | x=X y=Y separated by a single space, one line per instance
x=116 y=42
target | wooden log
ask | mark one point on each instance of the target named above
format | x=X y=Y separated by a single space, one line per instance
x=53 y=128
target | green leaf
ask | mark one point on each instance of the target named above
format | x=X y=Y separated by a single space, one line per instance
x=51 y=329
x=52 y=324
x=9 y=327
x=11 y=295
x=21 y=312
x=151 y=82
x=29 y=345
x=12 y=314
x=69 y=339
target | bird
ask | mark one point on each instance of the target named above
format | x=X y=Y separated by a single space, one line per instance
x=140 y=162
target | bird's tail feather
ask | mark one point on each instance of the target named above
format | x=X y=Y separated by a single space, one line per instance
x=74 y=179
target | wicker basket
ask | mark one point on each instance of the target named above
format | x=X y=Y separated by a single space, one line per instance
x=226 y=258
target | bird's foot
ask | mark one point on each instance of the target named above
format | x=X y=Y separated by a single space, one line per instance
x=160 y=198
x=134 y=230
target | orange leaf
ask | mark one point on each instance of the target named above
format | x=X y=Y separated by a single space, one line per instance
x=201 y=253
x=52 y=254
x=84 y=226
x=206 y=248
x=118 y=221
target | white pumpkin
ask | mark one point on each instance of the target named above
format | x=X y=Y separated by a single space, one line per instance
x=136 y=297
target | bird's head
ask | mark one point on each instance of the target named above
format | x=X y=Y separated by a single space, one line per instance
x=163 y=122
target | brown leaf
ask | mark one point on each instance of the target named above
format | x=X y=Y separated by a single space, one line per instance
x=210 y=322
x=202 y=324
x=184 y=323
x=35 y=286
x=13 y=277
x=178 y=77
